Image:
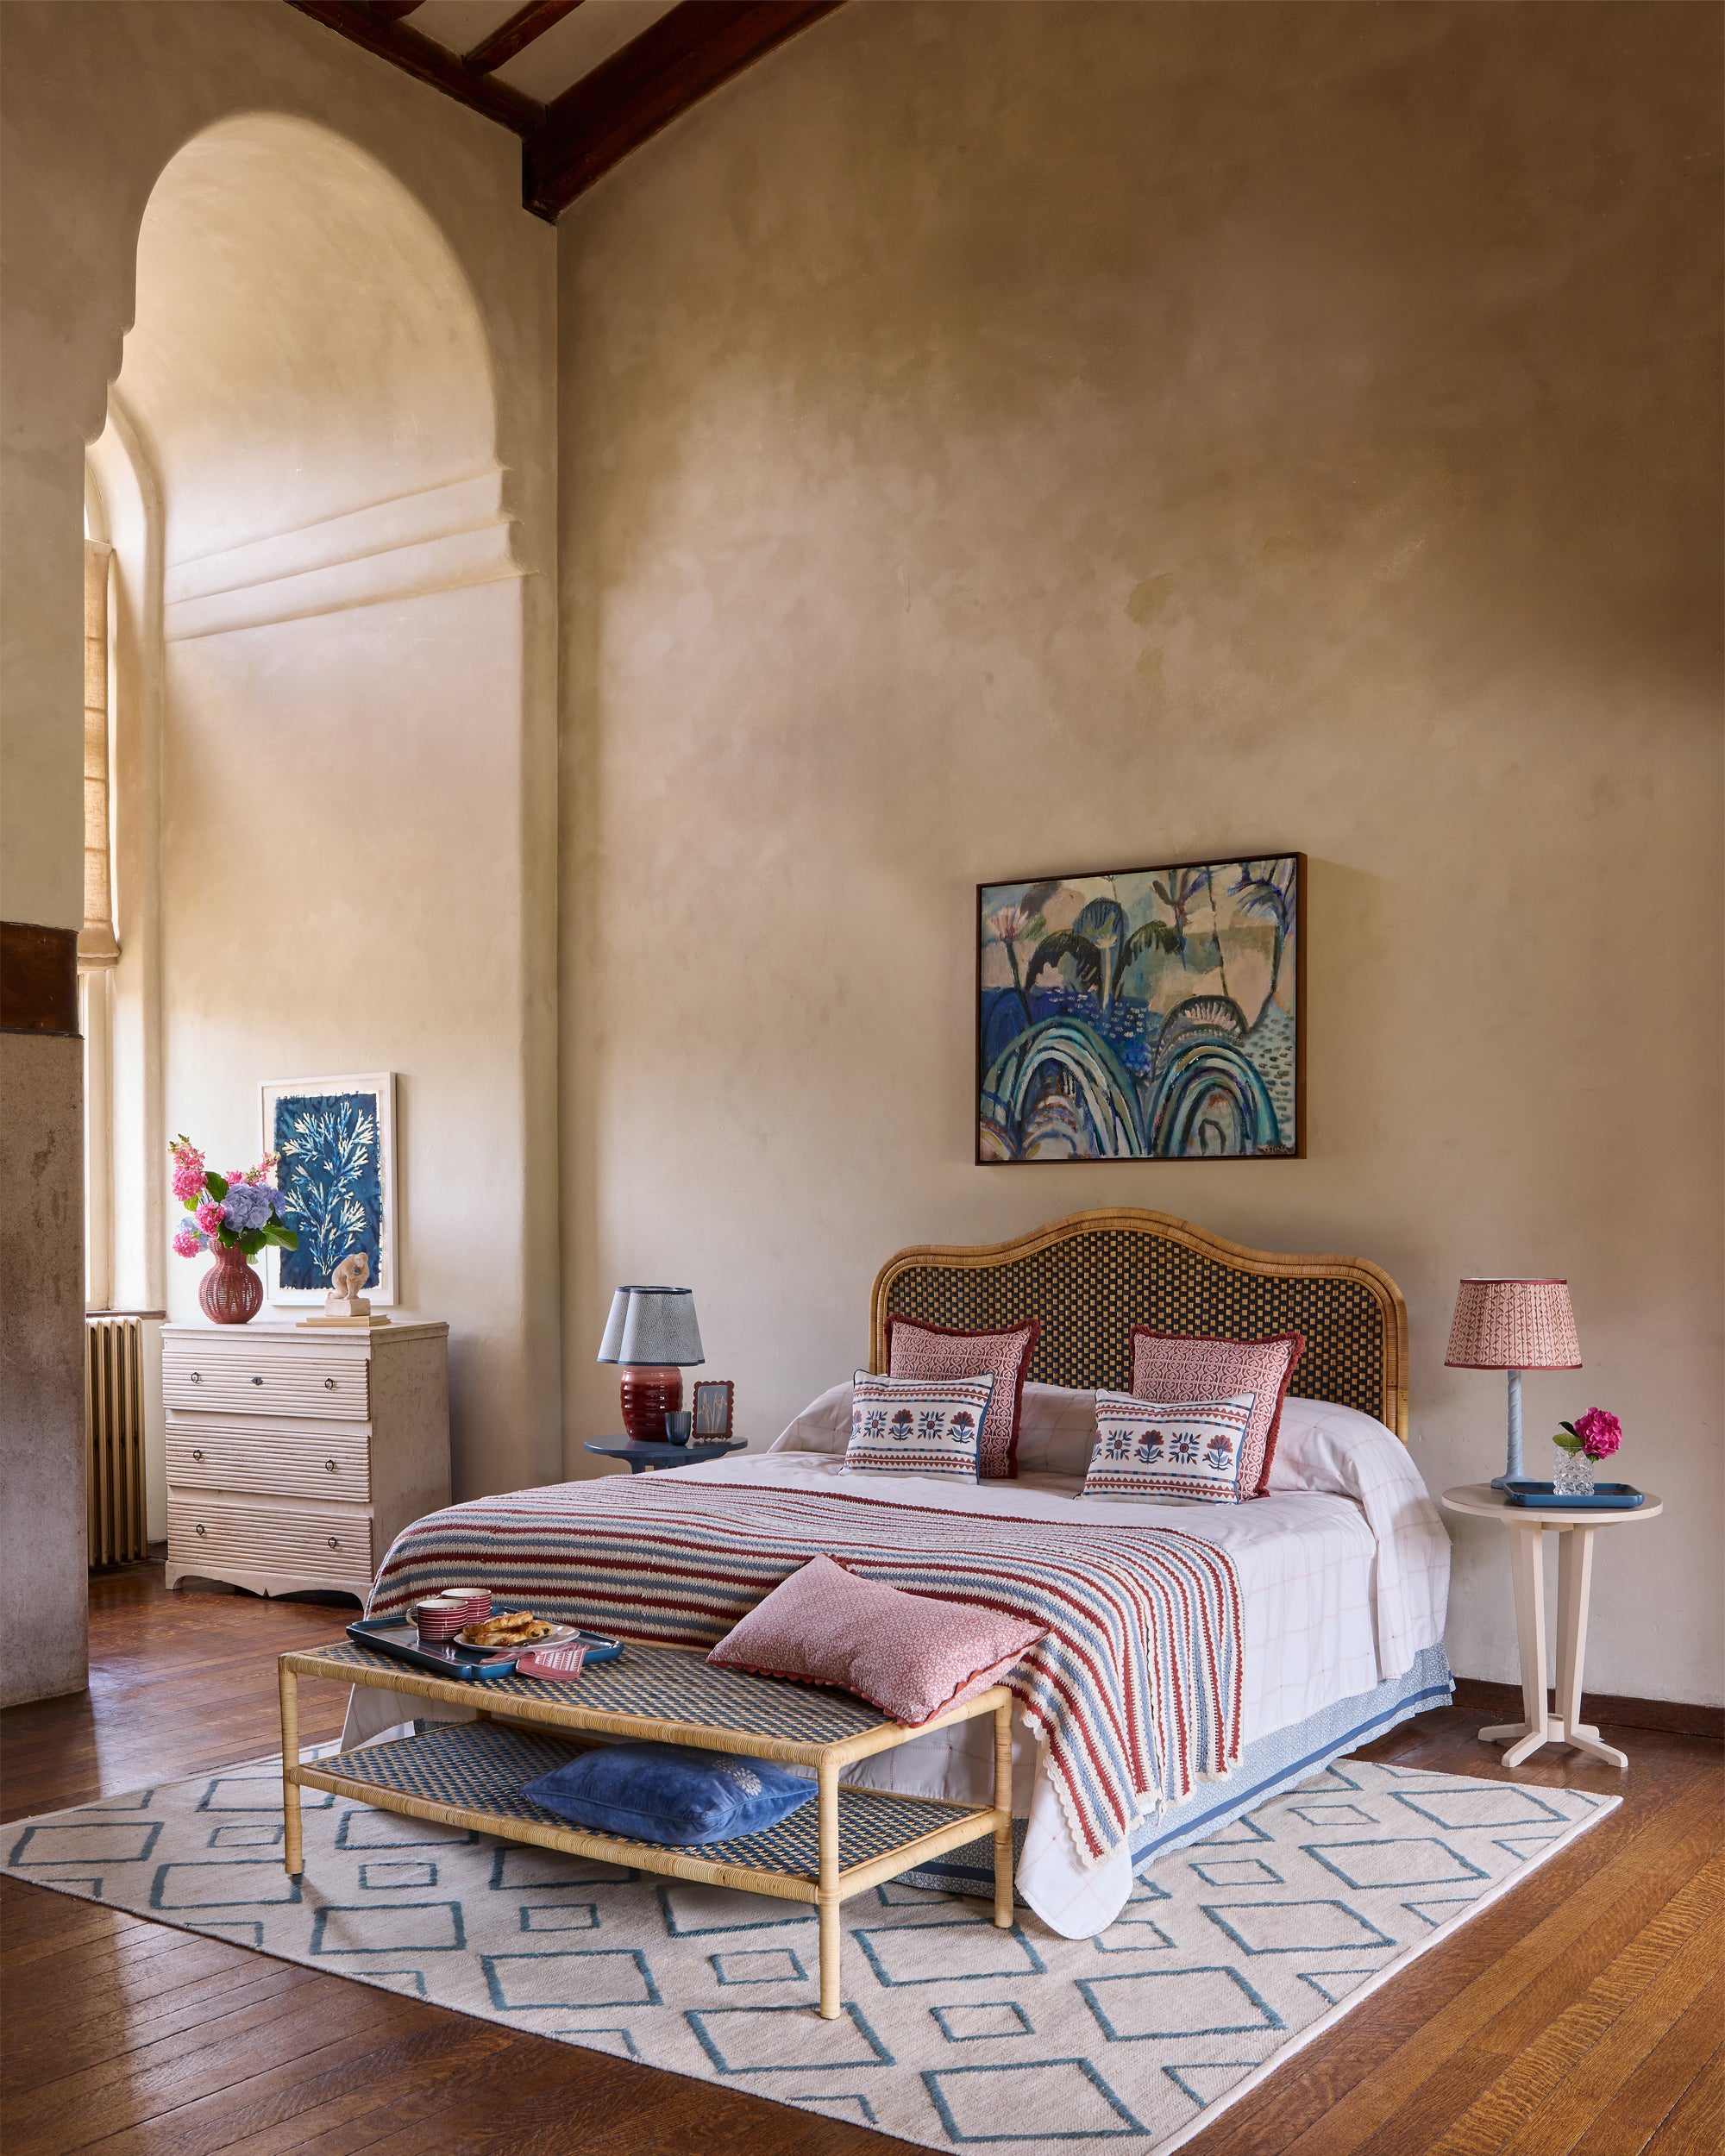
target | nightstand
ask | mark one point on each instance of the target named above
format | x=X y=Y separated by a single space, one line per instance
x=640 y=1458
x=1575 y=1531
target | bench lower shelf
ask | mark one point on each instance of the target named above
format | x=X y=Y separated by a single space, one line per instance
x=470 y=1775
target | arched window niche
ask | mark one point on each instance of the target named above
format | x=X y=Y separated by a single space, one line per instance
x=318 y=759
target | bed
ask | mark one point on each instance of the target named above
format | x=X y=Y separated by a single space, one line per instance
x=1283 y=1632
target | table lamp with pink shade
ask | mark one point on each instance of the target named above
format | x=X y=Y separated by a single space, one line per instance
x=1512 y=1326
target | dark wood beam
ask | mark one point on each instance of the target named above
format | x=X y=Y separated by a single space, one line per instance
x=430 y=62
x=627 y=98
x=392 y=11
x=38 y=979
x=515 y=35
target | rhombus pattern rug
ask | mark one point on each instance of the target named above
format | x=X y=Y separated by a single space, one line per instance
x=1231 y=1953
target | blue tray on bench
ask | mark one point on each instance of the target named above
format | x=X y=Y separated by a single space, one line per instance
x=397 y=1637
x=1604 y=1497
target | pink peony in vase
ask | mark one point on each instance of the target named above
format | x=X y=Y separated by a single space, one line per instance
x=233 y=1216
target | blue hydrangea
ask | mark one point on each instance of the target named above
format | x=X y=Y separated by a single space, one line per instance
x=249 y=1205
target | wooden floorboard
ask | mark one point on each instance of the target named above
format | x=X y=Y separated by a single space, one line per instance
x=1580 y=2016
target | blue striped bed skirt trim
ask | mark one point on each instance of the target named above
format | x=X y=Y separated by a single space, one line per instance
x=1267 y=1766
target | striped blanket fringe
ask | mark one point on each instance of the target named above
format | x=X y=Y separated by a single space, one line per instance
x=1135 y=1691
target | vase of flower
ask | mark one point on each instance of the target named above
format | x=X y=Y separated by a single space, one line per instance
x=231 y=1292
x=233 y=1216
x=1581 y=1445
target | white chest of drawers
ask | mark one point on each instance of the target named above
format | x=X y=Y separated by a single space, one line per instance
x=296 y=1455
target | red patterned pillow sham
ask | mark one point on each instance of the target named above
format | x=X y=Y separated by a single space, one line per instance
x=916 y=1348
x=913 y=1656
x=1171 y=1367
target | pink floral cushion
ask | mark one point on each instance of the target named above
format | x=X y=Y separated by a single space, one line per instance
x=1171 y=1367
x=917 y=1349
x=913 y=1656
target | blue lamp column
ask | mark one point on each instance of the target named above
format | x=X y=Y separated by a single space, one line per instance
x=1512 y=1326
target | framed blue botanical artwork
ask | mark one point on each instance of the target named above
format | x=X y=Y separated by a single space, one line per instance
x=334 y=1140
x=1143 y=1013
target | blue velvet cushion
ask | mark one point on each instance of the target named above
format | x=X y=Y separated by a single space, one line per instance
x=670 y=1793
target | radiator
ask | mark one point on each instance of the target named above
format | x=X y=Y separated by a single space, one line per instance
x=114 y=1437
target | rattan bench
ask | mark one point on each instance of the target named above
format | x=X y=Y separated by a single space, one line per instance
x=470 y=1774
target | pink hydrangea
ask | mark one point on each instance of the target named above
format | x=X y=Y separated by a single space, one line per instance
x=209 y=1216
x=1600 y=1431
x=189 y=1242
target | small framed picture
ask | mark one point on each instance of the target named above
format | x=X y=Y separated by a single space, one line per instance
x=714 y=1400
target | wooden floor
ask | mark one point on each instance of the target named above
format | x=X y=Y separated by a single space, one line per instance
x=1582 y=2015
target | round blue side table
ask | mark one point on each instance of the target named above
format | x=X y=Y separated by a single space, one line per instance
x=641 y=1457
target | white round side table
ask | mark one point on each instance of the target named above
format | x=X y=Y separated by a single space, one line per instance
x=1575 y=1531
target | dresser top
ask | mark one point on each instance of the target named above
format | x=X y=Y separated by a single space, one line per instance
x=231 y=1338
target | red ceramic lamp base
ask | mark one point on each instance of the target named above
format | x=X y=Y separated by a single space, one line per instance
x=649 y=1393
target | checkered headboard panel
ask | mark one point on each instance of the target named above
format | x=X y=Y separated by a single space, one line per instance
x=1090 y=1288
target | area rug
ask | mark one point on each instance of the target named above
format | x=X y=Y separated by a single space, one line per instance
x=1233 y=1953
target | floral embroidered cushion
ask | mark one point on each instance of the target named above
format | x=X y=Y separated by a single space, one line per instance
x=913 y=1656
x=917 y=1349
x=670 y=1793
x=1172 y=1367
x=1195 y=1448
x=910 y=1426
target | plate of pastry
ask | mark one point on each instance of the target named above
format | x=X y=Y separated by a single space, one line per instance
x=516 y=1630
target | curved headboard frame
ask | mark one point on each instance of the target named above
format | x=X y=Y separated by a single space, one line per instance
x=1091 y=1276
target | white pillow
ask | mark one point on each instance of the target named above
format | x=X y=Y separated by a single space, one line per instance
x=823 y=1426
x=1056 y=1430
x=1322 y=1446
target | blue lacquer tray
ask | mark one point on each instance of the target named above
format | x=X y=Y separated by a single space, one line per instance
x=1605 y=1497
x=465 y=1665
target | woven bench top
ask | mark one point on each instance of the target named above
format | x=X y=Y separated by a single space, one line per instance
x=653 y=1683
x=481 y=1768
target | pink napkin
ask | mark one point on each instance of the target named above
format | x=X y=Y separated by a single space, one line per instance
x=559 y=1662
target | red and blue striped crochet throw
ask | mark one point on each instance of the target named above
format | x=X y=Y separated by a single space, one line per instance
x=1135 y=1689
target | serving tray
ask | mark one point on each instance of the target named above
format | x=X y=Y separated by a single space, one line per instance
x=1604 y=1497
x=397 y=1636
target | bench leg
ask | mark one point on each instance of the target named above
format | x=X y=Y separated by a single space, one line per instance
x=1003 y=1816
x=829 y=1903
x=293 y=1857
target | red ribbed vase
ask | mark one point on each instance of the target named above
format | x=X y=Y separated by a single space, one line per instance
x=650 y=1392
x=231 y=1292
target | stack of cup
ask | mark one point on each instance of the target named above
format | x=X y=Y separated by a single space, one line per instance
x=440 y=1617
x=474 y=1601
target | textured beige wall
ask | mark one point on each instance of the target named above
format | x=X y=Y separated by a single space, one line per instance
x=446 y=971
x=999 y=440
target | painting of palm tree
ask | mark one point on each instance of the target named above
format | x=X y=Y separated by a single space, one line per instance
x=1142 y=1013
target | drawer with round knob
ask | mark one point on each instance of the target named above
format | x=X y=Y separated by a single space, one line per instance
x=264 y=1377
x=222 y=1537
x=285 y=1460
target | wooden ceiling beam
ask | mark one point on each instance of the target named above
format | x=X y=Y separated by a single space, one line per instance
x=430 y=62
x=673 y=63
x=392 y=11
x=515 y=35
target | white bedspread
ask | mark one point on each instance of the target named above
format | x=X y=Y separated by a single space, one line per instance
x=1343 y=1581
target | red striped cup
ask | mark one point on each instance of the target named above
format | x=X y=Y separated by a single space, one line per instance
x=440 y=1617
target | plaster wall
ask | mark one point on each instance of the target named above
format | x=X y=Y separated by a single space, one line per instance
x=429 y=891
x=1006 y=440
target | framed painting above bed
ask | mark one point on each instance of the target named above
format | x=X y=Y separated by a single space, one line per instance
x=1143 y=1013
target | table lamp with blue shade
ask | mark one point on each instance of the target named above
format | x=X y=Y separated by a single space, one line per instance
x=653 y=1333
x=1512 y=1326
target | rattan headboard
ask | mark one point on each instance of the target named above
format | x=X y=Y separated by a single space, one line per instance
x=1092 y=1276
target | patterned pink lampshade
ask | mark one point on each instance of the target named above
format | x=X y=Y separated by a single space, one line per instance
x=1513 y=1325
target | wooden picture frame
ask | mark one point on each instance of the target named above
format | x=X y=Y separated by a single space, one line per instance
x=1109 y=1026
x=715 y=1405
